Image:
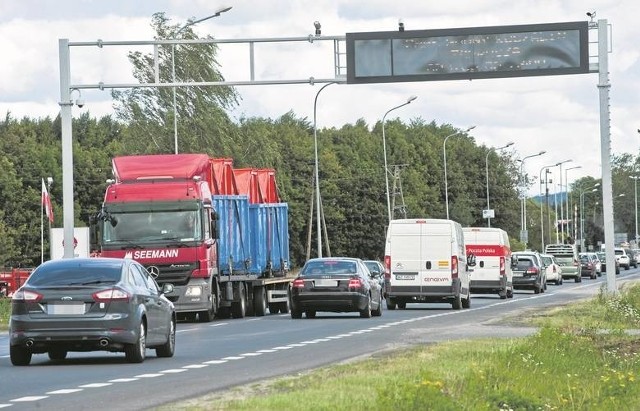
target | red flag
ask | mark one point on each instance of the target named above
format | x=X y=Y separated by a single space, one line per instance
x=46 y=202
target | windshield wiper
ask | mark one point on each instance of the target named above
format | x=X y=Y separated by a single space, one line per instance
x=130 y=244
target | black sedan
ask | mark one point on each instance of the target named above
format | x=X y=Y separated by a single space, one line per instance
x=91 y=304
x=336 y=284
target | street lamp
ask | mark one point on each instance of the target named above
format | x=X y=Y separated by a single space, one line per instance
x=635 y=195
x=582 y=193
x=524 y=196
x=444 y=155
x=566 y=183
x=541 y=208
x=486 y=170
x=173 y=69
x=317 y=174
x=384 y=149
x=561 y=200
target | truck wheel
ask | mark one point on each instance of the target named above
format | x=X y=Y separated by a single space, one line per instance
x=19 y=355
x=57 y=354
x=208 y=315
x=260 y=301
x=274 y=308
x=310 y=313
x=283 y=307
x=402 y=305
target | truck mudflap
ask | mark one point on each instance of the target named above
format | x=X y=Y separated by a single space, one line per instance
x=193 y=297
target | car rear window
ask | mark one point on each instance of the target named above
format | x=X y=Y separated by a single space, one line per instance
x=524 y=263
x=329 y=267
x=74 y=275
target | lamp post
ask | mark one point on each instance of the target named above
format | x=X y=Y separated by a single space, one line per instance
x=566 y=183
x=635 y=196
x=444 y=156
x=173 y=70
x=582 y=193
x=384 y=149
x=541 y=208
x=42 y=205
x=486 y=170
x=524 y=196
x=317 y=174
x=562 y=201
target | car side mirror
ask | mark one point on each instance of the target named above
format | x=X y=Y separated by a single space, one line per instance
x=167 y=288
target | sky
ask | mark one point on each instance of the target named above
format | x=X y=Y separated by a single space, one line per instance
x=556 y=114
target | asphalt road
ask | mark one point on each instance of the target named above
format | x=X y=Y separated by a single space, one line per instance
x=225 y=353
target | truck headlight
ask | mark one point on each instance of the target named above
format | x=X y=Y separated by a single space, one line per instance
x=193 y=291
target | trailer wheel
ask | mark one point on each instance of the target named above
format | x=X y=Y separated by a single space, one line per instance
x=239 y=308
x=284 y=307
x=260 y=301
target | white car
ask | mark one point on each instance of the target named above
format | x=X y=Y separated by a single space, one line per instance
x=553 y=270
x=622 y=257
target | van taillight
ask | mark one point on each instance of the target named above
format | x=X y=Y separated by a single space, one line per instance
x=387 y=262
x=502 y=266
x=454 y=266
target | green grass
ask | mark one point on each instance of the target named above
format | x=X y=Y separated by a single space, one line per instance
x=5 y=310
x=581 y=359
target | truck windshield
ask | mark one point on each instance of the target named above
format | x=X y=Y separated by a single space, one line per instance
x=151 y=226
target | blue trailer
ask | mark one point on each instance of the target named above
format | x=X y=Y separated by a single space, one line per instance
x=253 y=253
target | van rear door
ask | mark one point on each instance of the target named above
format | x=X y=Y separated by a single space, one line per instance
x=420 y=255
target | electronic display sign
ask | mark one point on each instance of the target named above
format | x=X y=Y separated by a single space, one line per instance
x=468 y=53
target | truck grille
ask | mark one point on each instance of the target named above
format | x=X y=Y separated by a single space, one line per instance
x=176 y=274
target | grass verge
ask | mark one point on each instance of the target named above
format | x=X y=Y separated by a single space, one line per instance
x=582 y=358
x=5 y=310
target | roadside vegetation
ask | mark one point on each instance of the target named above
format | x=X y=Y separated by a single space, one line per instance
x=585 y=357
x=5 y=310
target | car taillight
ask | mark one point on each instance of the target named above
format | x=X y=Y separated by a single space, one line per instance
x=112 y=294
x=355 y=283
x=27 y=296
x=454 y=266
x=532 y=270
x=502 y=266
x=298 y=283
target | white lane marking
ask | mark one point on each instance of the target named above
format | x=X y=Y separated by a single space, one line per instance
x=4 y=356
x=96 y=385
x=321 y=340
x=232 y=358
x=215 y=362
x=195 y=366
x=187 y=330
x=251 y=354
x=217 y=324
x=296 y=345
x=253 y=319
x=5 y=405
x=30 y=398
x=308 y=342
x=335 y=337
x=173 y=371
x=266 y=351
x=124 y=379
x=65 y=391
x=148 y=375
x=282 y=348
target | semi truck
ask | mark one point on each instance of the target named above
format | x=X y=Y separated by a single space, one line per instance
x=218 y=234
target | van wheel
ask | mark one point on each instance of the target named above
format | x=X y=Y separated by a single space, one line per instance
x=510 y=293
x=466 y=303
x=456 y=304
x=402 y=305
x=579 y=279
x=391 y=304
x=503 y=294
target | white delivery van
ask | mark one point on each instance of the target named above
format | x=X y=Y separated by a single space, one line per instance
x=427 y=262
x=492 y=273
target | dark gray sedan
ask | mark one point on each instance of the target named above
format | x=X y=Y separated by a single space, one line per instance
x=336 y=284
x=91 y=304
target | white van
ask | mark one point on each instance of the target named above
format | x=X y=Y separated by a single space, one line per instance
x=492 y=273
x=427 y=262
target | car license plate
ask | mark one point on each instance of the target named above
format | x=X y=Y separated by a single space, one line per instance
x=405 y=277
x=517 y=274
x=65 y=309
x=326 y=283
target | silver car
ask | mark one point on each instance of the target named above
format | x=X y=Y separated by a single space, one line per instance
x=91 y=304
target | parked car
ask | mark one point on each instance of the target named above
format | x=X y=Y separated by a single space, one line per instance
x=91 y=304
x=622 y=257
x=603 y=263
x=567 y=258
x=377 y=268
x=528 y=272
x=552 y=269
x=336 y=284
x=588 y=265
